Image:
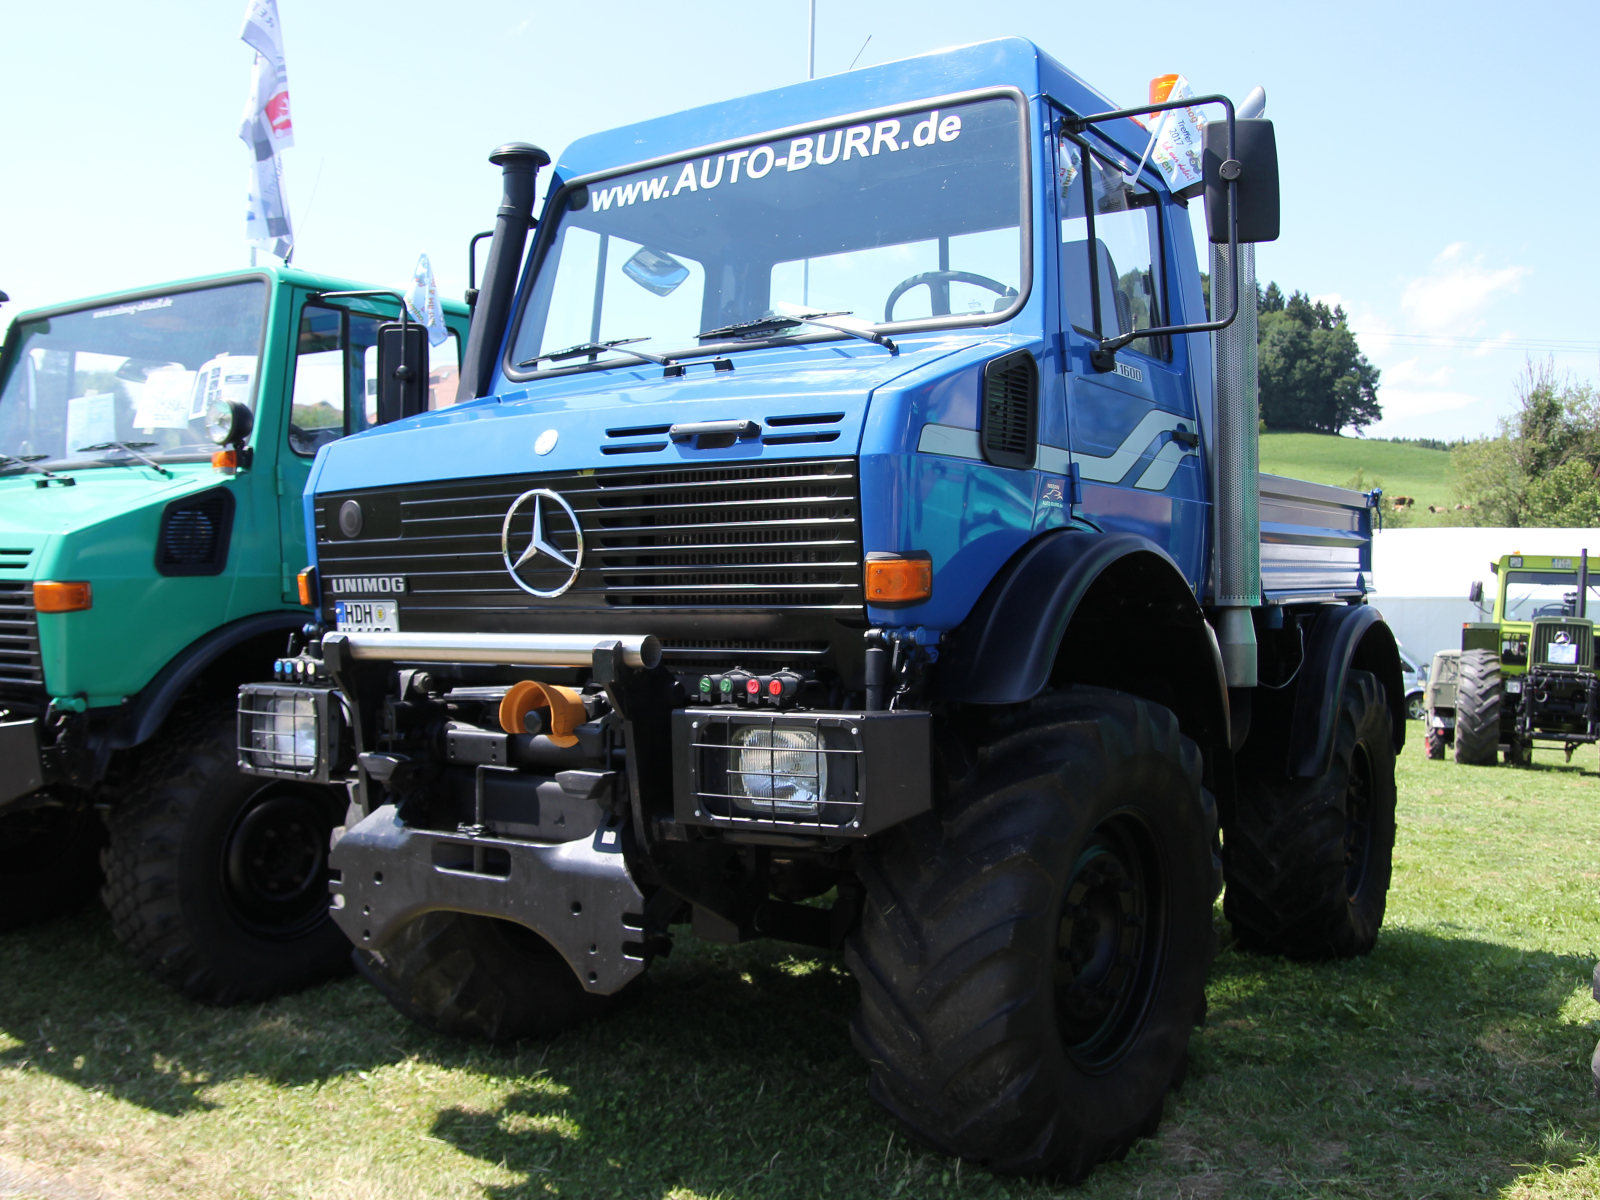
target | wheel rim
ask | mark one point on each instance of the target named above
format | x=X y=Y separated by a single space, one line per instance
x=1358 y=805
x=275 y=866
x=1415 y=709
x=1108 y=943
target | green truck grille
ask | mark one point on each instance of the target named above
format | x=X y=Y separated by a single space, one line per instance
x=19 y=637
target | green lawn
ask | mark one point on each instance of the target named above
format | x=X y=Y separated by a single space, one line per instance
x=1401 y=470
x=1452 y=1062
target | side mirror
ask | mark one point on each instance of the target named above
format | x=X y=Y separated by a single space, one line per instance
x=402 y=371
x=1255 y=150
x=1475 y=592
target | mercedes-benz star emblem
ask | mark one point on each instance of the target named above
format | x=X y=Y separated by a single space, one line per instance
x=539 y=542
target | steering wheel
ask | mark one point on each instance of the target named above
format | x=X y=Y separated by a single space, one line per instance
x=932 y=277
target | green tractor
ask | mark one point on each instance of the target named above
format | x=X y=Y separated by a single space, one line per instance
x=1528 y=674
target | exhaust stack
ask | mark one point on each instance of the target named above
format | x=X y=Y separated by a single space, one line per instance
x=519 y=164
x=1236 y=557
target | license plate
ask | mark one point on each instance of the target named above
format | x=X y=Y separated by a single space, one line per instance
x=366 y=616
x=1514 y=686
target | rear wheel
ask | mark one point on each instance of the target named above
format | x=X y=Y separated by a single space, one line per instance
x=1433 y=743
x=217 y=881
x=1309 y=859
x=473 y=976
x=1478 y=709
x=1033 y=955
x=49 y=862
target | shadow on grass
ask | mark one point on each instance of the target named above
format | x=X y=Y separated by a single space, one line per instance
x=1439 y=1065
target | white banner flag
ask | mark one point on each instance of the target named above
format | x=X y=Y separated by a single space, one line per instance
x=1176 y=142
x=266 y=224
x=266 y=126
x=422 y=302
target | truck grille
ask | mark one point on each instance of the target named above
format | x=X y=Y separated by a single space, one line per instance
x=756 y=536
x=19 y=636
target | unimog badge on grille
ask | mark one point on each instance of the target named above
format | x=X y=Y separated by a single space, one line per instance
x=540 y=542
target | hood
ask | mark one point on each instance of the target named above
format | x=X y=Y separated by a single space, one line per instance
x=31 y=516
x=806 y=400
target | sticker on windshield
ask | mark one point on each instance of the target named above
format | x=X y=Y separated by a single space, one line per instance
x=123 y=310
x=890 y=136
x=91 y=420
x=164 y=400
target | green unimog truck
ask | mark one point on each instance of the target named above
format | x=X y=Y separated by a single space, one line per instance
x=153 y=450
x=1528 y=674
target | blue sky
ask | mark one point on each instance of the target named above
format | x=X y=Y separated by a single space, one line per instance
x=1435 y=157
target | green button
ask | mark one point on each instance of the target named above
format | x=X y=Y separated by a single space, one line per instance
x=727 y=685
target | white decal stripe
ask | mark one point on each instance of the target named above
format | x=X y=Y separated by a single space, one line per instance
x=949 y=440
x=1114 y=467
x=1159 y=473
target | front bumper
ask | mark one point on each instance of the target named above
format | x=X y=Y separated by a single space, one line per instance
x=579 y=896
x=21 y=771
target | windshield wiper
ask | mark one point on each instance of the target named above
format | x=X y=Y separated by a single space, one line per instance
x=765 y=326
x=592 y=349
x=133 y=448
x=24 y=462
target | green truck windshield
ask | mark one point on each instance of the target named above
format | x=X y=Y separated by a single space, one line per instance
x=908 y=217
x=1531 y=594
x=139 y=372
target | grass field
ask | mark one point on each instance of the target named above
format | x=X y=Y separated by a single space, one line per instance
x=1452 y=1062
x=1401 y=470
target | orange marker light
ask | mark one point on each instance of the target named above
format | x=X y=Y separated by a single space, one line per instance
x=306 y=583
x=899 y=578
x=53 y=597
x=225 y=460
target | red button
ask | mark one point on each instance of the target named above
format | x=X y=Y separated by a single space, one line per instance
x=775 y=687
x=752 y=686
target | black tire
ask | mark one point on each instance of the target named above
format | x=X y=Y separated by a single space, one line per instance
x=217 y=881
x=1033 y=954
x=472 y=976
x=1433 y=743
x=1308 y=860
x=1416 y=710
x=1478 y=705
x=49 y=862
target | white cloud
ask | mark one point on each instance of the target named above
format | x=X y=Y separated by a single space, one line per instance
x=1412 y=371
x=1402 y=403
x=1451 y=297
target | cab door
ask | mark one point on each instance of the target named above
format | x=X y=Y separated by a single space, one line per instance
x=333 y=394
x=1133 y=432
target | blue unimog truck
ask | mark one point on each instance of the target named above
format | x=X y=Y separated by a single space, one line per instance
x=855 y=539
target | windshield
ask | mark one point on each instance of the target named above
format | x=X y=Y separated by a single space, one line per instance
x=907 y=218
x=1531 y=594
x=140 y=372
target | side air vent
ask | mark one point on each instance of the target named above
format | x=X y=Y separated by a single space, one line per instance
x=1010 y=400
x=195 y=534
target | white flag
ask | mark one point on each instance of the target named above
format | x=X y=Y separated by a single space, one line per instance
x=422 y=302
x=1175 y=144
x=266 y=126
x=266 y=224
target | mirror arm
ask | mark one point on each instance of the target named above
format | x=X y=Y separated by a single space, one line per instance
x=1105 y=353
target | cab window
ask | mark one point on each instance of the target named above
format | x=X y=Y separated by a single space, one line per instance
x=1111 y=259
x=335 y=376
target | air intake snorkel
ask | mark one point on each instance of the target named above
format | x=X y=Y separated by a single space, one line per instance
x=519 y=164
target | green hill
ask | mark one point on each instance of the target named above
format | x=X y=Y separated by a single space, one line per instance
x=1425 y=475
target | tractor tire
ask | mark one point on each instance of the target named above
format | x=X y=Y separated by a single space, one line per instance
x=1033 y=953
x=478 y=977
x=1433 y=743
x=216 y=881
x=49 y=862
x=1478 y=705
x=1308 y=860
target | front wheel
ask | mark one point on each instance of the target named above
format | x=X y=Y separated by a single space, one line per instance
x=217 y=881
x=1309 y=859
x=1416 y=710
x=1479 y=705
x=1033 y=954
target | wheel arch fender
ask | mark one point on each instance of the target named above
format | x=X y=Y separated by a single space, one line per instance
x=1351 y=637
x=146 y=712
x=1046 y=617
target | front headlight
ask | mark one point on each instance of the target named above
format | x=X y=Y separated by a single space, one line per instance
x=288 y=732
x=777 y=771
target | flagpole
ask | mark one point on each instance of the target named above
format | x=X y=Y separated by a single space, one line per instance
x=811 y=45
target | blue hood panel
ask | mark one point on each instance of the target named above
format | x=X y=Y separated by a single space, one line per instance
x=590 y=414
